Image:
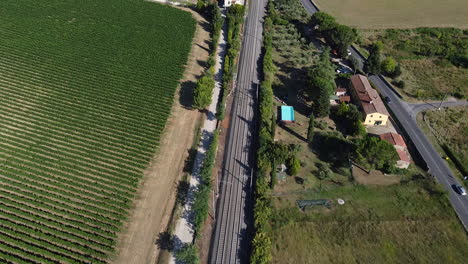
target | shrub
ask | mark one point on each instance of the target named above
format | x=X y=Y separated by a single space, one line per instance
x=203 y=91
x=188 y=254
x=389 y=65
x=399 y=84
x=294 y=165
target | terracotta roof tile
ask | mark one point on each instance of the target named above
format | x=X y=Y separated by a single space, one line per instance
x=368 y=97
x=393 y=138
x=403 y=155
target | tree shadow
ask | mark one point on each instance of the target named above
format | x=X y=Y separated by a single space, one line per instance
x=186 y=94
x=189 y=161
x=292 y=132
x=292 y=90
x=332 y=148
x=165 y=241
x=203 y=64
x=181 y=192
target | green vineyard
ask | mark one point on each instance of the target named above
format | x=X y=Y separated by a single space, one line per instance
x=86 y=87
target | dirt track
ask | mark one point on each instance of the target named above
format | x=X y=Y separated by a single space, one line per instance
x=155 y=197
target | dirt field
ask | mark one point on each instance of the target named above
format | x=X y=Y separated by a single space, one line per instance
x=155 y=198
x=398 y=13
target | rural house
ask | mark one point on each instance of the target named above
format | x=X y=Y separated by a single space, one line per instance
x=340 y=96
x=397 y=141
x=369 y=102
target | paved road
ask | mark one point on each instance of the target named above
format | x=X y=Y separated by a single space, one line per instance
x=230 y=243
x=416 y=108
x=405 y=114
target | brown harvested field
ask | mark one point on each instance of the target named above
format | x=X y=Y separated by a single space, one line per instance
x=398 y=13
x=156 y=197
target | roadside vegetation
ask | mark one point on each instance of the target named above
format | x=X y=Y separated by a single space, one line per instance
x=425 y=63
x=448 y=129
x=385 y=218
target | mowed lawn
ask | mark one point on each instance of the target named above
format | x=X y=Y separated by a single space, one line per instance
x=398 y=13
x=86 y=88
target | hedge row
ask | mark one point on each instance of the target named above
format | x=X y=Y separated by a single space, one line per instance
x=235 y=18
x=203 y=91
x=200 y=205
x=261 y=243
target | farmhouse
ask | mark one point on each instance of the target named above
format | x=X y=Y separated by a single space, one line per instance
x=369 y=102
x=340 y=96
x=397 y=141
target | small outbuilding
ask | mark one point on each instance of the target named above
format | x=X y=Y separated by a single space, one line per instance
x=287 y=114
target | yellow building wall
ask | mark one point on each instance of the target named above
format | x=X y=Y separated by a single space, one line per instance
x=371 y=119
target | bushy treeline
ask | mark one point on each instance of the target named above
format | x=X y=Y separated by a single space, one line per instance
x=447 y=43
x=235 y=19
x=200 y=205
x=205 y=85
x=261 y=243
x=375 y=65
x=338 y=36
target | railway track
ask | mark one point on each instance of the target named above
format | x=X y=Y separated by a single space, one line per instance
x=231 y=239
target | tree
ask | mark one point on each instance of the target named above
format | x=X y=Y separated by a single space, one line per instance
x=310 y=129
x=323 y=68
x=377 y=153
x=340 y=38
x=342 y=110
x=389 y=65
x=321 y=105
x=322 y=75
x=203 y=91
x=396 y=72
x=323 y=22
x=372 y=64
x=353 y=63
x=323 y=173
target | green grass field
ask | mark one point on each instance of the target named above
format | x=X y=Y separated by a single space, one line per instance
x=398 y=13
x=86 y=88
x=410 y=222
